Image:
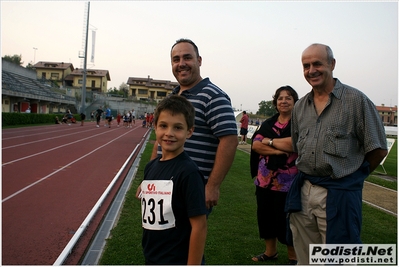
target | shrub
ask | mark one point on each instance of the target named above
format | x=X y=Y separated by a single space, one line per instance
x=11 y=119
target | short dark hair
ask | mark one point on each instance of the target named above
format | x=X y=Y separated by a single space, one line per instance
x=184 y=40
x=290 y=91
x=176 y=104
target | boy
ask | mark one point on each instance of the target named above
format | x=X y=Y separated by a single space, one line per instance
x=173 y=191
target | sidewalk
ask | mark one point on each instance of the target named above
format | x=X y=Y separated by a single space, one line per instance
x=375 y=195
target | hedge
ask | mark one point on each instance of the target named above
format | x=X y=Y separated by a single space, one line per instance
x=10 y=119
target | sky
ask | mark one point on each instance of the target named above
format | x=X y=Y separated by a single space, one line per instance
x=248 y=48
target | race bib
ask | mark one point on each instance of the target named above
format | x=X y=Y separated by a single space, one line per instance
x=156 y=204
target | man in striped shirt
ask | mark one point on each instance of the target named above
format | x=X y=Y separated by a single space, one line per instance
x=214 y=141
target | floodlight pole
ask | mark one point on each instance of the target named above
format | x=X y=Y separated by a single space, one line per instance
x=85 y=62
x=34 y=55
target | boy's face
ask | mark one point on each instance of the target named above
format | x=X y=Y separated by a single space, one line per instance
x=171 y=133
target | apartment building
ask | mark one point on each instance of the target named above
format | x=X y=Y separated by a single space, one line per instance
x=96 y=80
x=148 y=89
x=389 y=115
x=54 y=71
x=65 y=76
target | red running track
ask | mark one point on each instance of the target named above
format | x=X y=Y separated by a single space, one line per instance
x=52 y=177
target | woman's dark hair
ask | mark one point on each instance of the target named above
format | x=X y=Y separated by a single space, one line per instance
x=290 y=91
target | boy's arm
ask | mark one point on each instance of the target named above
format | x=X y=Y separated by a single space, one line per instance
x=197 y=239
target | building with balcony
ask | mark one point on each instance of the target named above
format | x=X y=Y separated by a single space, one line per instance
x=53 y=71
x=148 y=89
x=389 y=115
x=96 y=80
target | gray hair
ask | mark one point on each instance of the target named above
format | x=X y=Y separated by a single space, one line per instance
x=330 y=55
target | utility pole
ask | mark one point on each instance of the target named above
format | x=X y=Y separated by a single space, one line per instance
x=85 y=62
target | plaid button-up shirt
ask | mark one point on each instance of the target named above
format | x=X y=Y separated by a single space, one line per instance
x=335 y=142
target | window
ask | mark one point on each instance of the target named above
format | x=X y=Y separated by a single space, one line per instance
x=54 y=76
x=80 y=81
x=161 y=94
x=142 y=92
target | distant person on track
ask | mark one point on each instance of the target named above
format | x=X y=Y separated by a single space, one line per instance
x=108 y=117
x=57 y=121
x=134 y=116
x=127 y=118
x=82 y=118
x=129 y=124
x=99 y=113
x=151 y=120
x=64 y=119
x=118 y=119
x=147 y=120
x=244 y=128
x=174 y=222
x=68 y=116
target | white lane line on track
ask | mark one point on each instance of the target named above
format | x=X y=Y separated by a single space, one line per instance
x=26 y=130
x=16 y=160
x=28 y=135
x=378 y=207
x=51 y=174
x=46 y=139
x=385 y=188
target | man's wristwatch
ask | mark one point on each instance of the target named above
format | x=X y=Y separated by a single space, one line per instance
x=271 y=142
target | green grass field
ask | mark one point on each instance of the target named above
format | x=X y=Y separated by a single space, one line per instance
x=232 y=226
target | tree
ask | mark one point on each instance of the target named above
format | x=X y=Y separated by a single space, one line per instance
x=16 y=59
x=29 y=66
x=113 y=90
x=124 y=88
x=266 y=108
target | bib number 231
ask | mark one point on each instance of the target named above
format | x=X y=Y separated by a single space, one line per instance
x=156 y=204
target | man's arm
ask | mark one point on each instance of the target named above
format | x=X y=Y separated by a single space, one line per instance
x=154 y=151
x=375 y=157
x=153 y=156
x=224 y=159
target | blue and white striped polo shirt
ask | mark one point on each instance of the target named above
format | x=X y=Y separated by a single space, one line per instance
x=214 y=118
